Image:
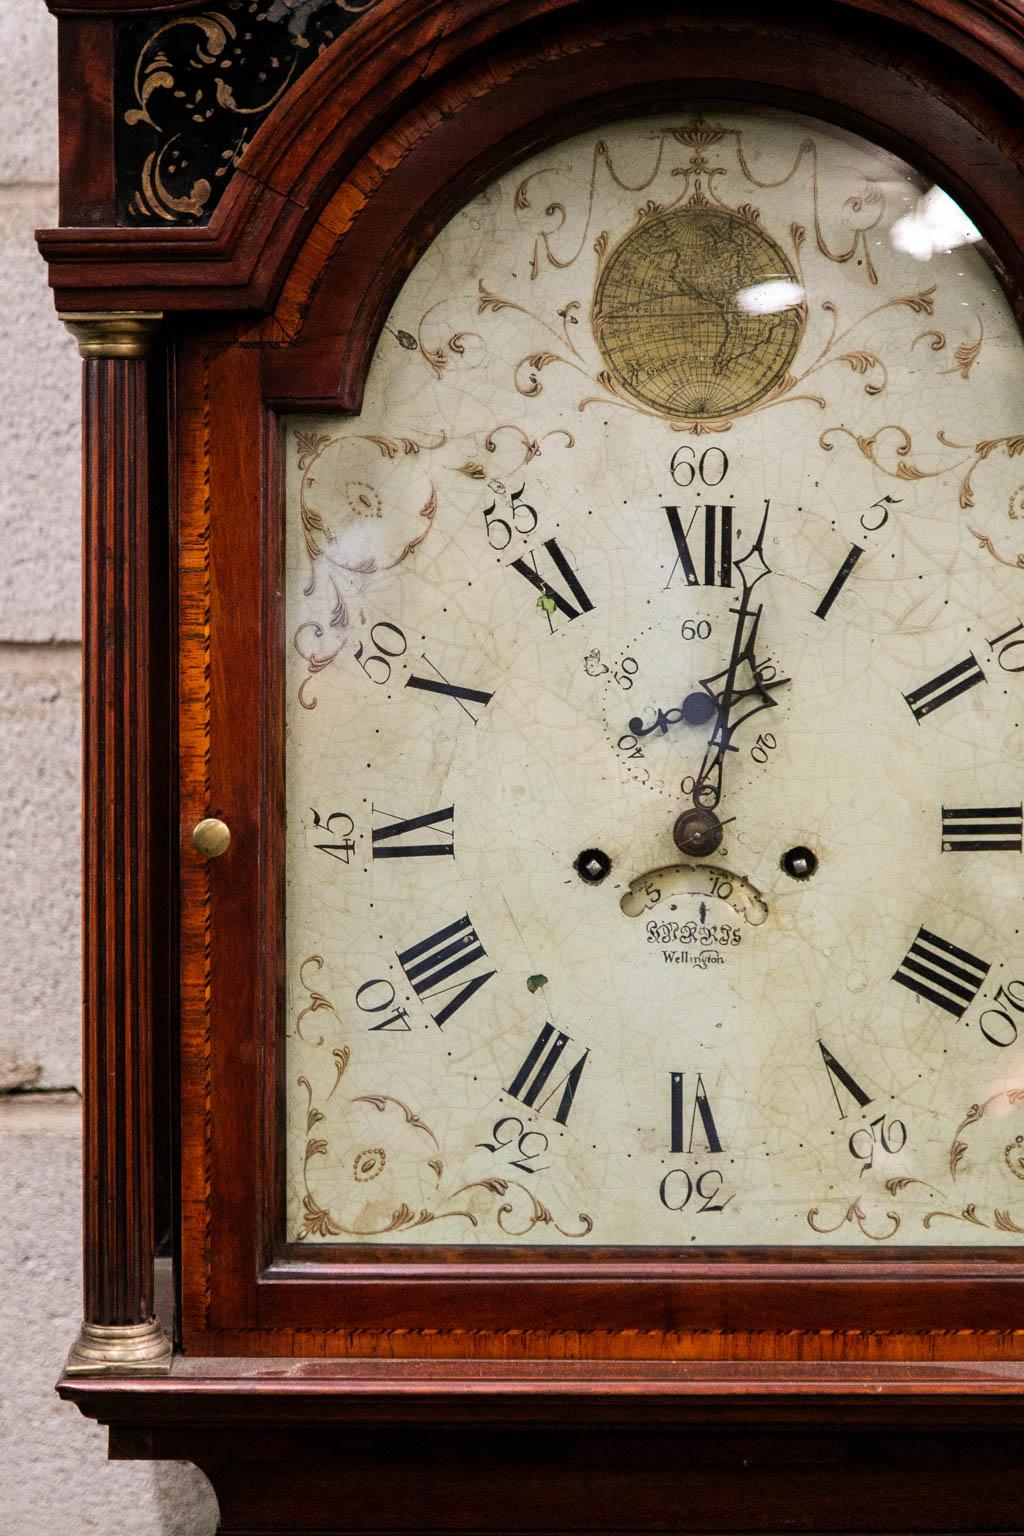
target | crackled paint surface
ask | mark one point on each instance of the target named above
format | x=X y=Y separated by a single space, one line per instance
x=507 y=652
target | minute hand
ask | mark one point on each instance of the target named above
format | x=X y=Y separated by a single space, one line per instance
x=707 y=790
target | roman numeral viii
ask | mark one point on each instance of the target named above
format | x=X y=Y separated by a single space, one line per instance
x=387 y=842
x=432 y=962
x=943 y=973
x=947 y=686
x=975 y=829
x=716 y=566
x=550 y=596
x=539 y=1078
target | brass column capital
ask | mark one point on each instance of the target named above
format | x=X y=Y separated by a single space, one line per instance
x=114 y=333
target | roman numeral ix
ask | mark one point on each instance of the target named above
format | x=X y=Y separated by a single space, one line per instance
x=976 y=829
x=434 y=961
x=442 y=823
x=943 y=973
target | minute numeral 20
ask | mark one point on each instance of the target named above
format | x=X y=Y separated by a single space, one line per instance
x=433 y=962
x=974 y=829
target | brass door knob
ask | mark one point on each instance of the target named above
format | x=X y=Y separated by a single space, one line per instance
x=211 y=837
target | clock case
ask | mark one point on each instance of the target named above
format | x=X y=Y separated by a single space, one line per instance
x=325 y=1389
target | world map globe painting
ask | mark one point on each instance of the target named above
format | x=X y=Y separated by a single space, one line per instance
x=668 y=323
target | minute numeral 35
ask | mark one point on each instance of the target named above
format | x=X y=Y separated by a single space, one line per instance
x=942 y=972
x=976 y=829
x=433 y=962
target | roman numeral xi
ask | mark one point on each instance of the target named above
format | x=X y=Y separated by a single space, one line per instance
x=551 y=595
x=942 y=973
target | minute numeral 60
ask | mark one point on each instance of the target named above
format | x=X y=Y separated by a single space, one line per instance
x=710 y=469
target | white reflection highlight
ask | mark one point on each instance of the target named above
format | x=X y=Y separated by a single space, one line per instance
x=936 y=224
x=771 y=297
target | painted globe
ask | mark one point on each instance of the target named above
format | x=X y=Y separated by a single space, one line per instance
x=669 y=322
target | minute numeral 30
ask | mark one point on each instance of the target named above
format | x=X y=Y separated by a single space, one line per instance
x=942 y=973
x=978 y=829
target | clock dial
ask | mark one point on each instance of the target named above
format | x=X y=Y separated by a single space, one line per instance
x=655 y=695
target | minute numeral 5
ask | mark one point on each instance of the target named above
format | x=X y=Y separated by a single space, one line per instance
x=974 y=829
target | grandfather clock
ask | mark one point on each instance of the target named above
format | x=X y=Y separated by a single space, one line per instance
x=554 y=811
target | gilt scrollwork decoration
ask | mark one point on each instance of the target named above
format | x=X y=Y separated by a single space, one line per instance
x=192 y=90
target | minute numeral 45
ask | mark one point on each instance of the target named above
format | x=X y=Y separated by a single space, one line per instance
x=975 y=829
x=431 y=964
x=716 y=566
x=942 y=972
x=540 y=1077
x=551 y=597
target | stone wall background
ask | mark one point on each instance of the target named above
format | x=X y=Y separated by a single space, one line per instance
x=54 y=1475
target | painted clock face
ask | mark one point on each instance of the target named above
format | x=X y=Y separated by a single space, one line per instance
x=655 y=718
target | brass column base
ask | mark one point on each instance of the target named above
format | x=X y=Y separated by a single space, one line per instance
x=120 y=1349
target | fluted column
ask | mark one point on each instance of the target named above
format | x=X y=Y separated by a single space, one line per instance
x=119 y=1331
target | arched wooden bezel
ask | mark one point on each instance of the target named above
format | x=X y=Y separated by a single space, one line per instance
x=276 y=305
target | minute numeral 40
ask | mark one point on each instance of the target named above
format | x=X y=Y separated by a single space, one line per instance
x=942 y=973
x=431 y=964
x=977 y=829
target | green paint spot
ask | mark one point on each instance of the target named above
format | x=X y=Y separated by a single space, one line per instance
x=546 y=602
x=536 y=982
